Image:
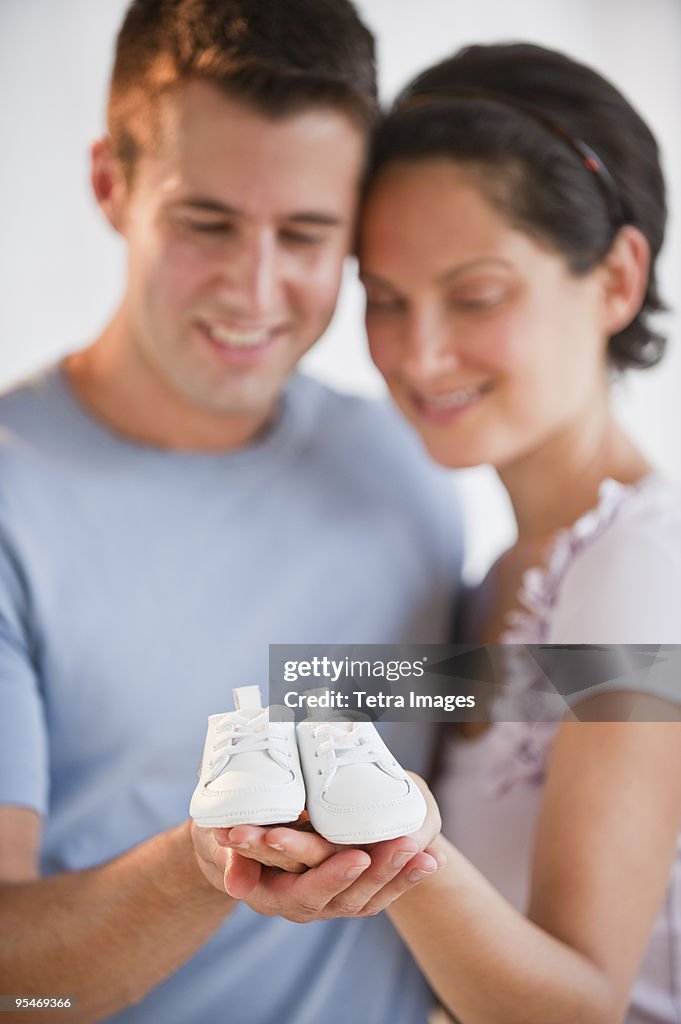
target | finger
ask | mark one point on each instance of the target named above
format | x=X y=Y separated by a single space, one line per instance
x=241 y=876
x=239 y=835
x=251 y=841
x=307 y=848
x=247 y=833
x=213 y=858
x=437 y=855
x=416 y=870
x=387 y=860
x=432 y=822
x=305 y=897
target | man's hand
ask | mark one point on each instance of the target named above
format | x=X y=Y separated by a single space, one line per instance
x=297 y=874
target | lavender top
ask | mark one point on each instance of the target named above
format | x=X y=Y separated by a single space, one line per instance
x=614 y=577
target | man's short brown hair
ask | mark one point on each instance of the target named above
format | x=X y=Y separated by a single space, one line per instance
x=279 y=55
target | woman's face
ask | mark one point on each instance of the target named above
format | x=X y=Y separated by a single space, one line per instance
x=488 y=343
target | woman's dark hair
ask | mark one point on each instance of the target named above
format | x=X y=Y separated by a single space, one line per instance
x=560 y=151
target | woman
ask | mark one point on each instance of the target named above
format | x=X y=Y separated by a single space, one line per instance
x=513 y=213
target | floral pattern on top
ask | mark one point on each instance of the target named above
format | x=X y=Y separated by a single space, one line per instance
x=522 y=748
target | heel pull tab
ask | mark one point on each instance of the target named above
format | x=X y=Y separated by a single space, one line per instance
x=247 y=698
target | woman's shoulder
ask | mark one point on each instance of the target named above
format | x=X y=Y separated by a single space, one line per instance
x=618 y=577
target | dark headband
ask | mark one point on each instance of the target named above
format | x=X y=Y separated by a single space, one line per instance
x=588 y=156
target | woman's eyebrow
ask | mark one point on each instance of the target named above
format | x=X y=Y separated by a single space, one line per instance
x=463 y=268
x=366 y=276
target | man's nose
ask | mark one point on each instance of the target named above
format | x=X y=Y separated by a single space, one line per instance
x=255 y=276
x=430 y=348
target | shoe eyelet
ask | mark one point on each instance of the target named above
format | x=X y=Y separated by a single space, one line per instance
x=319 y=771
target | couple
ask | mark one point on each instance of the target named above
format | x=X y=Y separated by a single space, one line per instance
x=172 y=502
x=509 y=270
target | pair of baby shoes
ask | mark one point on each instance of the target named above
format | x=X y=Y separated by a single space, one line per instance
x=263 y=772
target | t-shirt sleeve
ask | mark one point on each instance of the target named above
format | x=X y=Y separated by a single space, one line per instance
x=625 y=589
x=23 y=736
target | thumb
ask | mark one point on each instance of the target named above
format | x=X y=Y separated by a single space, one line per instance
x=241 y=875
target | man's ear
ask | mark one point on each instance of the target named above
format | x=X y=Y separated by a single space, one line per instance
x=108 y=183
x=625 y=271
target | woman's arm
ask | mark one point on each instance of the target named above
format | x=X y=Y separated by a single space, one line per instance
x=604 y=848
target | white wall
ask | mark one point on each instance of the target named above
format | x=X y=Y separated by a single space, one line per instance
x=61 y=267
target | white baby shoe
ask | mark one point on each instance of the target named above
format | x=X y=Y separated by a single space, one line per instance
x=250 y=773
x=356 y=791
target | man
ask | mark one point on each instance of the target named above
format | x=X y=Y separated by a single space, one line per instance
x=170 y=503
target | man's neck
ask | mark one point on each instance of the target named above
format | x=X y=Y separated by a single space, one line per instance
x=120 y=388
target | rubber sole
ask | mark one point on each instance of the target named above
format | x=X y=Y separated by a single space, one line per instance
x=364 y=838
x=275 y=816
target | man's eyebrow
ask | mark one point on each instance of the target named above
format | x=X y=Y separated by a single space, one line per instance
x=366 y=277
x=328 y=220
x=208 y=205
x=318 y=218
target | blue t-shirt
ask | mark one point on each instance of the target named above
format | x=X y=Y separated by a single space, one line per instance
x=139 y=585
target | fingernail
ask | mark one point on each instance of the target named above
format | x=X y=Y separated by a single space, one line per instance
x=427 y=868
x=277 y=846
x=355 y=872
x=400 y=859
x=417 y=874
x=440 y=858
x=242 y=846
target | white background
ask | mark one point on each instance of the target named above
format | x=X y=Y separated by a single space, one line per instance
x=61 y=267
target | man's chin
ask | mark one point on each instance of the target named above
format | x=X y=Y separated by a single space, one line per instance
x=258 y=404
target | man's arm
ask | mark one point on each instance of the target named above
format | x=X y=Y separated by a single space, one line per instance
x=108 y=935
x=105 y=935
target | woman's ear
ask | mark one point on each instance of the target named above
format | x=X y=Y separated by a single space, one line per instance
x=108 y=183
x=625 y=270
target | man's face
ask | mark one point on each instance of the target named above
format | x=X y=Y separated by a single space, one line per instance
x=237 y=227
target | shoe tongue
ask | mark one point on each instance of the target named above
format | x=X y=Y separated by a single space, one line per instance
x=247 y=698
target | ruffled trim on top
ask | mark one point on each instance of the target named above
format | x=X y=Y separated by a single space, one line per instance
x=540 y=586
x=523 y=747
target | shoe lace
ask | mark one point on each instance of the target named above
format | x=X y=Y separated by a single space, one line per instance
x=244 y=734
x=350 y=744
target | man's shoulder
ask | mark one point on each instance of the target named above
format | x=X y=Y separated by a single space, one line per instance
x=30 y=402
x=368 y=427
x=366 y=450
x=30 y=425
x=321 y=401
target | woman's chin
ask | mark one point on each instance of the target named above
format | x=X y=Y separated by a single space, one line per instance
x=453 y=457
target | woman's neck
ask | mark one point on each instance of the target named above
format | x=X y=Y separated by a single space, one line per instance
x=551 y=487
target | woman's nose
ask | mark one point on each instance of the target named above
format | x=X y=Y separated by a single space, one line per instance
x=429 y=347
